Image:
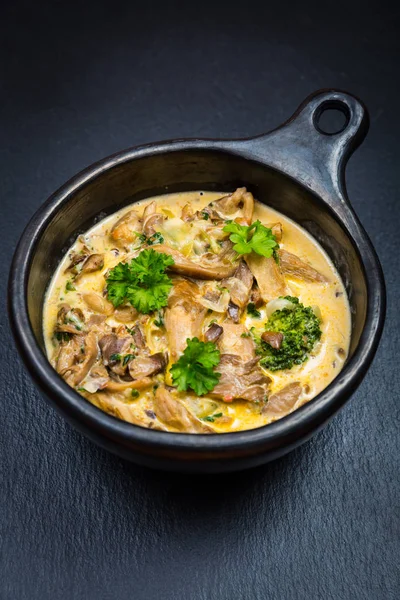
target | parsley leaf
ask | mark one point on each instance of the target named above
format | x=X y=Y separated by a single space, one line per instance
x=195 y=368
x=253 y=238
x=143 y=282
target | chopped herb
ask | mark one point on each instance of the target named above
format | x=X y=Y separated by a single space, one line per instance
x=245 y=335
x=211 y=418
x=81 y=389
x=301 y=331
x=62 y=336
x=252 y=311
x=135 y=394
x=115 y=357
x=127 y=358
x=69 y=287
x=83 y=349
x=155 y=387
x=156 y=238
x=205 y=215
x=142 y=237
x=212 y=322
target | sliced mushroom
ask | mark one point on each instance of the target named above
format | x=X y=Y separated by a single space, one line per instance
x=213 y=333
x=69 y=320
x=97 y=303
x=273 y=338
x=183 y=316
x=95 y=262
x=125 y=314
x=212 y=267
x=240 y=200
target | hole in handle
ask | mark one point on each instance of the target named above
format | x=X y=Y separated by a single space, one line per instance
x=331 y=117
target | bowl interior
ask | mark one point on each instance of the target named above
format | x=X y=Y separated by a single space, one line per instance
x=189 y=170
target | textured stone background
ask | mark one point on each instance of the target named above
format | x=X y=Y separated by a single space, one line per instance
x=79 y=81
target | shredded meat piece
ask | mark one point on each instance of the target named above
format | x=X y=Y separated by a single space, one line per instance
x=146 y=366
x=125 y=229
x=281 y=403
x=234 y=340
x=241 y=379
x=183 y=317
x=293 y=265
x=170 y=409
x=239 y=285
x=268 y=275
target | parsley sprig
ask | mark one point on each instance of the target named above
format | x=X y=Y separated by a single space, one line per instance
x=195 y=368
x=253 y=238
x=143 y=282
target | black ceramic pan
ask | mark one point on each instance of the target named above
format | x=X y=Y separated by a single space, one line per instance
x=296 y=169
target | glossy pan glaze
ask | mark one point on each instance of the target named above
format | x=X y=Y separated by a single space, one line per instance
x=296 y=169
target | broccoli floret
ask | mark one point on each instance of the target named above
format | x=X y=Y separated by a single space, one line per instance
x=301 y=330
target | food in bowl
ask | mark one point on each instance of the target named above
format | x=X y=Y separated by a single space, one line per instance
x=197 y=312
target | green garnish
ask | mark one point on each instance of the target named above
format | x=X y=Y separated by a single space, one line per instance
x=252 y=311
x=127 y=358
x=124 y=358
x=135 y=394
x=160 y=321
x=253 y=238
x=245 y=335
x=81 y=389
x=143 y=282
x=69 y=287
x=211 y=418
x=301 y=330
x=195 y=368
x=205 y=216
x=62 y=336
x=156 y=238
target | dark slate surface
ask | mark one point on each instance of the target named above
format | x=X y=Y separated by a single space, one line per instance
x=80 y=82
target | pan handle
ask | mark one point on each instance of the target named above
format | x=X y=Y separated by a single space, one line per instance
x=303 y=151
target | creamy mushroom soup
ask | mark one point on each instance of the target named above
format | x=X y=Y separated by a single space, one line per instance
x=197 y=312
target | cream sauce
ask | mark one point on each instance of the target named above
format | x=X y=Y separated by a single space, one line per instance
x=314 y=375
